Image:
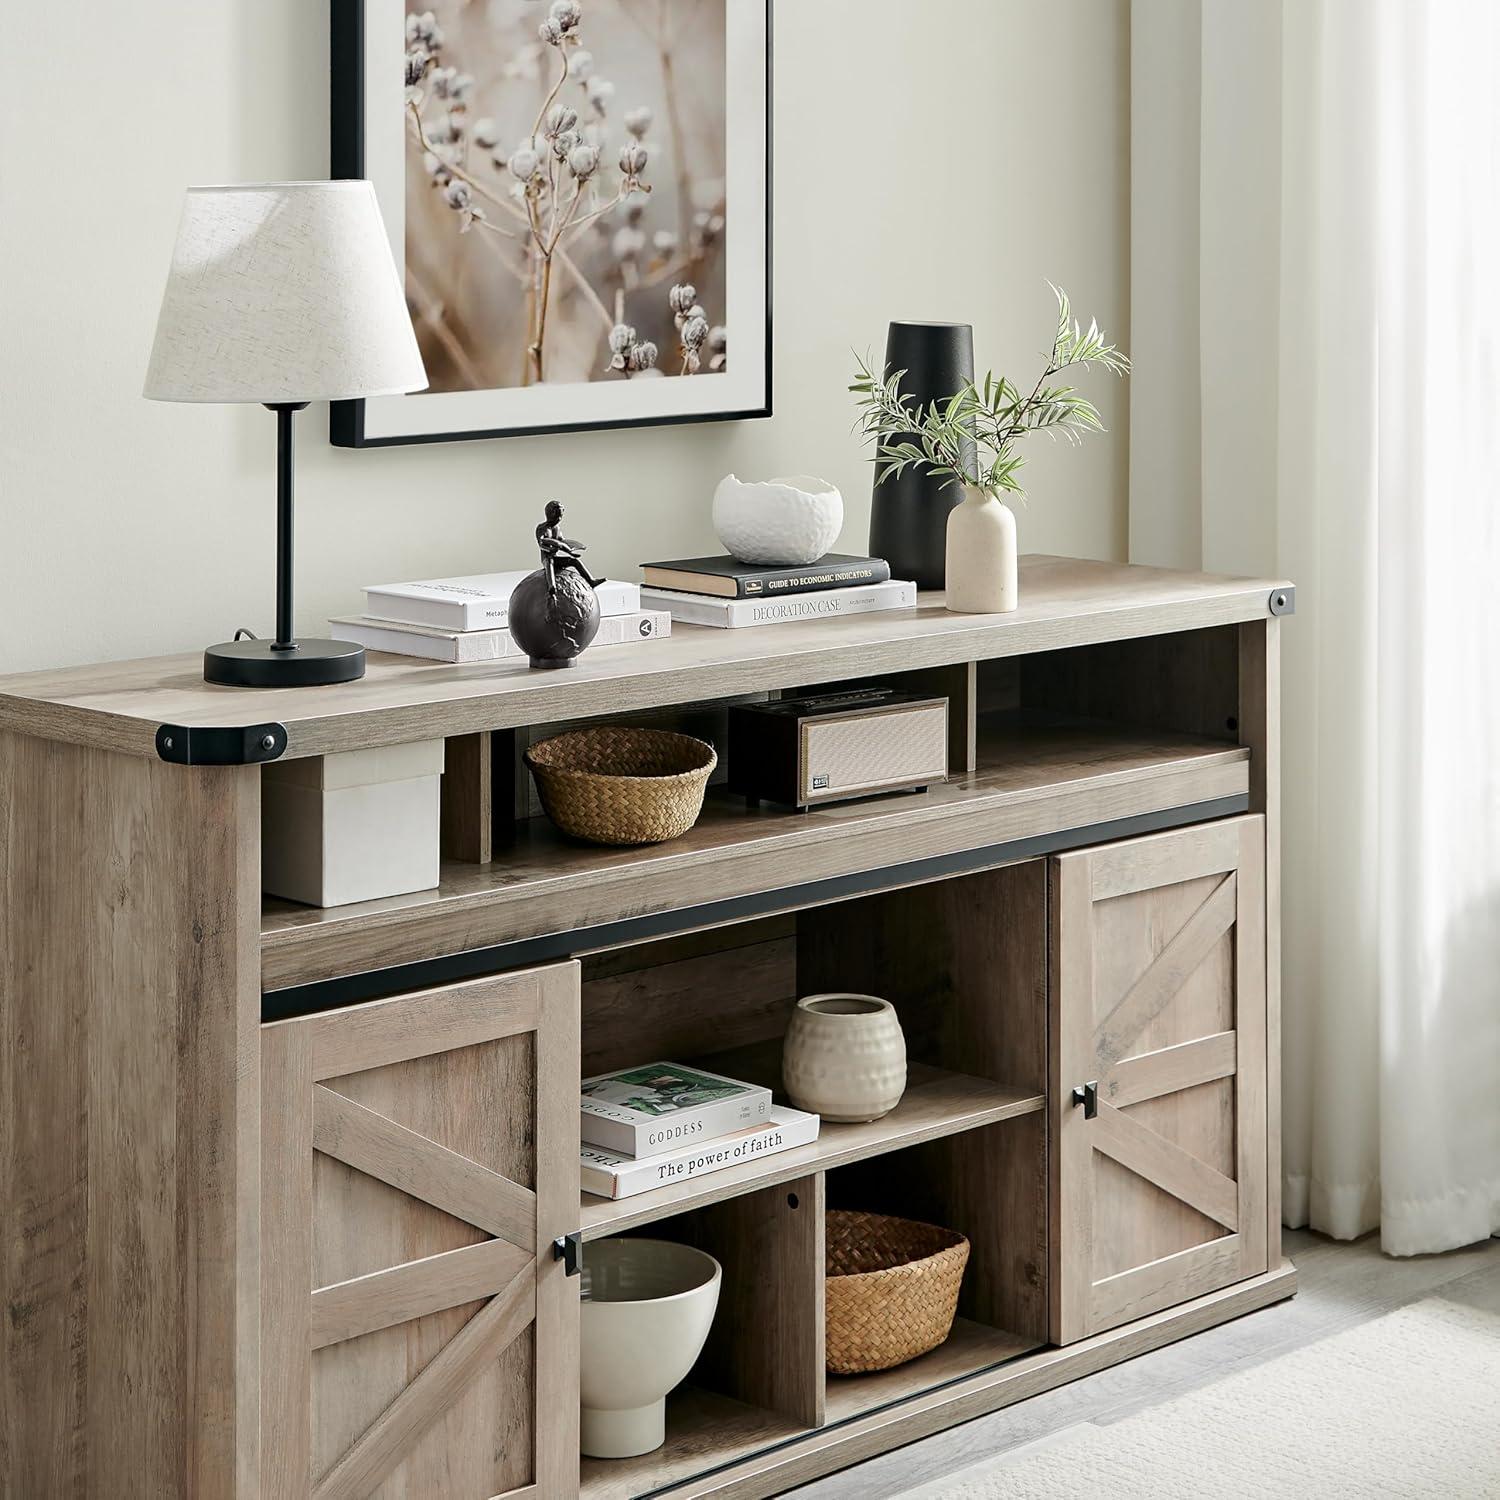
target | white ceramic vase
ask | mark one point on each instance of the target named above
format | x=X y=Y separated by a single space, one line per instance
x=844 y=1057
x=788 y=521
x=647 y=1309
x=981 y=558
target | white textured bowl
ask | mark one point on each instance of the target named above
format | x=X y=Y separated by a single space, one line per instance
x=789 y=521
x=647 y=1309
x=844 y=1057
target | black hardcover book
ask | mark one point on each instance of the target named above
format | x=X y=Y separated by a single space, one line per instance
x=729 y=578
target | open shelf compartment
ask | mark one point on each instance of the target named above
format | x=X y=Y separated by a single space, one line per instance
x=964 y=962
x=761 y=1380
x=990 y=1185
x=1038 y=774
x=936 y=1103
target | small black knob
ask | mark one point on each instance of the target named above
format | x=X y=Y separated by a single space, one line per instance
x=568 y=1248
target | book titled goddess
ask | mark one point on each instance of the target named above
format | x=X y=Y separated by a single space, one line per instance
x=647 y=1110
x=611 y=1174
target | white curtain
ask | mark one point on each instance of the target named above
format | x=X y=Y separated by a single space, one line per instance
x=1336 y=352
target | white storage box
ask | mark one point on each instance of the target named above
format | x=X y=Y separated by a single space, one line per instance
x=351 y=827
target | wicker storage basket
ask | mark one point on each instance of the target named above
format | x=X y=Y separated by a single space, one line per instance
x=891 y=1289
x=615 y=785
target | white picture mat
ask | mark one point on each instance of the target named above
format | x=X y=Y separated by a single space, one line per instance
x=743 y=387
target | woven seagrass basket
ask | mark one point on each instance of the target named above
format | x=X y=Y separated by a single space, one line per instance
x=891 y=1289
x=615 y=785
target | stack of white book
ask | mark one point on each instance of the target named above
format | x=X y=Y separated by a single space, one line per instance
x=728 y=594
x=465 y=619
x=646 y=1127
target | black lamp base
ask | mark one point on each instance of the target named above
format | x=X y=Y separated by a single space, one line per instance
x=263 y=664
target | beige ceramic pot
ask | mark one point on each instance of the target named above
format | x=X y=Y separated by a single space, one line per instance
x=981 y=576
x=844 y=1057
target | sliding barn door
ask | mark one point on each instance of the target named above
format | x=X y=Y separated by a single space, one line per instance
x=1158 y=1036
x=419 y=1155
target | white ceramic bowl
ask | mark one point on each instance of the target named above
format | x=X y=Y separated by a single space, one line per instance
x=647 y=1309
x=788 y=521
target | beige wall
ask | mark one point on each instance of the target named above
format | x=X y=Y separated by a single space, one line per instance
x=924 y=169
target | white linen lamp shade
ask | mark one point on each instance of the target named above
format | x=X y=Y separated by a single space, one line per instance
x=283 y=293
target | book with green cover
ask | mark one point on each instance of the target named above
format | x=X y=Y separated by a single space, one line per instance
x=645 y=1110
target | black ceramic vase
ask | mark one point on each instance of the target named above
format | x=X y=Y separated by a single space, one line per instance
x=909 y=511
x=553 y=628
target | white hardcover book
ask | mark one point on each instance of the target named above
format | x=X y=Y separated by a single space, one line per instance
x=637 y=625
x=424 y=640
x=659 y=1106
x=465 y=646
x=612 y=1174
x=478 y=602
x=732 y=614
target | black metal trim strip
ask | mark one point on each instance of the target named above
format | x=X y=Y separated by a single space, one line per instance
x=450 y=968
x=240 y=745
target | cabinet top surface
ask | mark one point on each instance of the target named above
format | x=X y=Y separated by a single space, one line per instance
x=1064 y=602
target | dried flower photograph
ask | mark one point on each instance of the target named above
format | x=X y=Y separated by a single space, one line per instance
x=581 y=210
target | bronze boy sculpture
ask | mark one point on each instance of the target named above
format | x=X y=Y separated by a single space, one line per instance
x=558 y=552
x=553 y=612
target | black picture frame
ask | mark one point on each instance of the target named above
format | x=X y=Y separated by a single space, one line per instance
x=349 y=104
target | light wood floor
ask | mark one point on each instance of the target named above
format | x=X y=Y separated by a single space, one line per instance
x=1339 y=1285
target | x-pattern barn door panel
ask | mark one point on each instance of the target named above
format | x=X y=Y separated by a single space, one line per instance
x=1158 y=1035
x=416 y=1331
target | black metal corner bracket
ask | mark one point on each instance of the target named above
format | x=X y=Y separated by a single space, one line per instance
x=248 y=745
x=568 y=1248
x=1283 y=601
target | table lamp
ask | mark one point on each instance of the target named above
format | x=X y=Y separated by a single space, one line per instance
x=283 y=293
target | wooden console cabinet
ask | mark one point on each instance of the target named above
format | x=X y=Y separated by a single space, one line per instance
x=290 y=1195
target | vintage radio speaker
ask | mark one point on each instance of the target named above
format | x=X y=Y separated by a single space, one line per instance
x=805 y=751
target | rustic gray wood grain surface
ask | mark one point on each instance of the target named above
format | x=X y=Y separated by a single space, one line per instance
x=1339 y=1285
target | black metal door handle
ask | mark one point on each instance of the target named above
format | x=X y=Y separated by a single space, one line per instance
x=568 y=1248
x=1087 y=1094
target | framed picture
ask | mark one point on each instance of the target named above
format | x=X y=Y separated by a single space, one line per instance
x=578 y=198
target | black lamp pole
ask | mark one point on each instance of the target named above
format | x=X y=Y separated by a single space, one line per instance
x=285 y=661
x=284 y=466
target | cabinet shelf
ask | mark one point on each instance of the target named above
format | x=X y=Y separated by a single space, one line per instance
x=970 y=1348
x=706 y=1430
x=1038 y=775
x=936 y=1103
